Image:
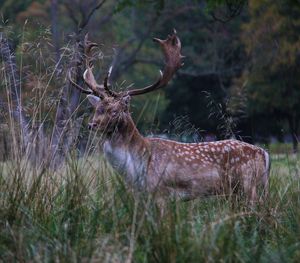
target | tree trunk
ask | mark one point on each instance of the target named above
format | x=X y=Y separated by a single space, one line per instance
x=54 y=28
x=14 y=89
x=66 y=127
x=65 y=121
x=294 y=127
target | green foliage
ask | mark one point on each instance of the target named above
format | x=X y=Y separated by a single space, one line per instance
x=272 y=42
x=122 y=4
x=11 y=8
x=213 y=4
x=213 y=50
x=268 y=83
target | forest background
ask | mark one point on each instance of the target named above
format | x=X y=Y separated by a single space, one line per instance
x=239 y=78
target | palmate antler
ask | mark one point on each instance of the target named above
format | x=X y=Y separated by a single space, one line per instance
x=94 y=88
x=171 y=48
x=88 y=76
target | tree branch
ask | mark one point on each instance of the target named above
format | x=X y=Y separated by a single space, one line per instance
x=85 y=20
x=71 y=14
x=122 y=61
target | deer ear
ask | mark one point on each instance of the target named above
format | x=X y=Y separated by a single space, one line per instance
x=94 y=100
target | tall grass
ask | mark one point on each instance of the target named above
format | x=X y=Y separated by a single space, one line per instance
x=84 y=212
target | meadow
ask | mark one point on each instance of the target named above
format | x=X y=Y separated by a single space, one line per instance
x=83 y=212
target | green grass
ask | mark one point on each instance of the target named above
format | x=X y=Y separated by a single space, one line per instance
x=280 y=148
x=85 y=213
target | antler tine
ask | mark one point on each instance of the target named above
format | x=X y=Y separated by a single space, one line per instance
x=88 y=75
x=106 y=84
x=171 y=48
x=88 y=47
x=78 y=86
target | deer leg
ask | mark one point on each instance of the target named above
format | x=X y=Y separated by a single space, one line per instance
x=249 y=187
x=253 y=195
x=161 y=204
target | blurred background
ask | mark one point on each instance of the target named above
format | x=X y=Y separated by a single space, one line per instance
x=239 y=79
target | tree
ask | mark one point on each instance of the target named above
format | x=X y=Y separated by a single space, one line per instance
x=213 y=57
x=66 y=122
x=125 y=35
x=270 y=81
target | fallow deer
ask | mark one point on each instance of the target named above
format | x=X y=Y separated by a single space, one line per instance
x=186 y=170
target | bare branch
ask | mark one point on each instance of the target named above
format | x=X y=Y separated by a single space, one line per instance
x=85 y=20
x=71 y=14
x=232 y=10
x=122 y=61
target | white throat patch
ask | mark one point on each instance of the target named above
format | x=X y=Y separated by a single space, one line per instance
x=126 y=163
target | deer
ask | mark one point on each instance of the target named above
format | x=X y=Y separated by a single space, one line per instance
x=170 y=168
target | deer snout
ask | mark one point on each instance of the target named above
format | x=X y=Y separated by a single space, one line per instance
x=92 y=125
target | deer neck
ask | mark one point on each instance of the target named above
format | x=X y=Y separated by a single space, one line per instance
x=128 y=152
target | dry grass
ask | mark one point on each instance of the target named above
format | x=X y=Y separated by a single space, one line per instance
x=84 y=212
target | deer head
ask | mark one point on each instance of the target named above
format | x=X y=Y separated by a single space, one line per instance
x=110 y=112
x=112 y=108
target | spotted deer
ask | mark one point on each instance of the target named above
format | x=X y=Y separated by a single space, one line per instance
x=186 y=170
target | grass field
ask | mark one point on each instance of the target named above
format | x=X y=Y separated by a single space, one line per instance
x=85 y=213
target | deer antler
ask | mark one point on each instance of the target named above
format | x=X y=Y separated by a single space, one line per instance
x=88 y=76
x=171 y=48
x=78 y=86
x=106 y=85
